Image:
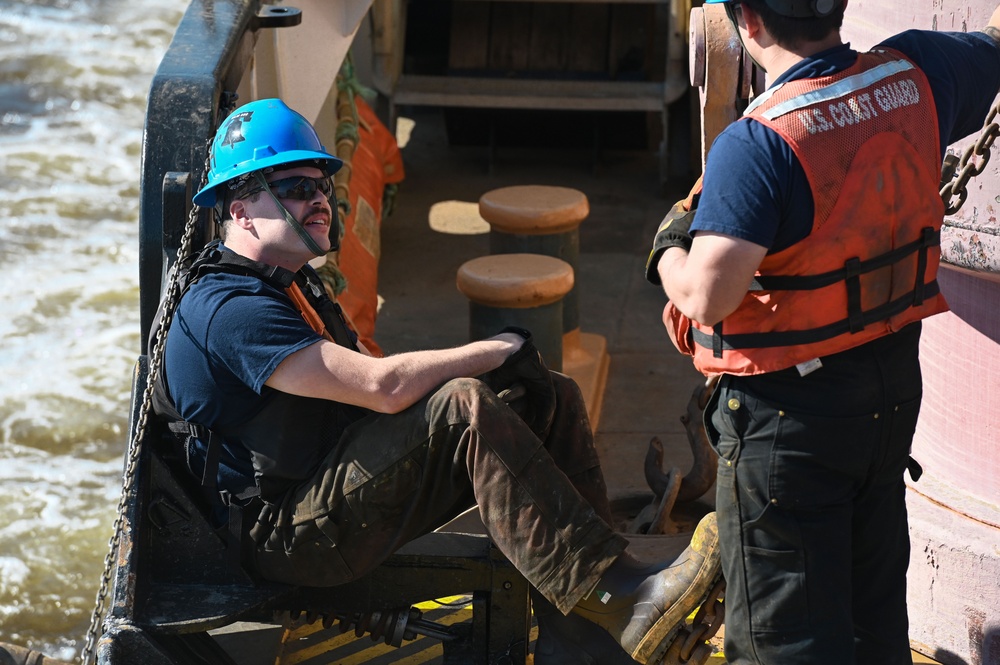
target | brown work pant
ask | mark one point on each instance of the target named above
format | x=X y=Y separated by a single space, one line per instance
x=393 y=478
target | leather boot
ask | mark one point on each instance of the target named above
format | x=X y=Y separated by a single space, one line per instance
x=643 y=612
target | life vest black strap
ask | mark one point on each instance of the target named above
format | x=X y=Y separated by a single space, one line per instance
x=929 y=237
x=718 y=340
x=717 y=343
x=852 y=278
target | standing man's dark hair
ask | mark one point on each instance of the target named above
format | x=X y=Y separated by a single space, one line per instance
x=794 y=22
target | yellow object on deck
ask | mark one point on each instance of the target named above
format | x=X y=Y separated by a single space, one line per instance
x=313 y=644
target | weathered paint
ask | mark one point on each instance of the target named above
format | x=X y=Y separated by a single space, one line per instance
x=954 y=574
x=954 y=578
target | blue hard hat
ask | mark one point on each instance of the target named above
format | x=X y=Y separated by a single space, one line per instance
x=260 y=135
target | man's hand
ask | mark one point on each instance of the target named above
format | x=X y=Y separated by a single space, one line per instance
x=515 y=339
x=525 y=383
x=674 y=231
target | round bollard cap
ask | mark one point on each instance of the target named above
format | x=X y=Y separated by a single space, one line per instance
x=515 y=280
x=534 y=209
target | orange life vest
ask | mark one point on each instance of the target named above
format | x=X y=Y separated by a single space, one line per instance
x=867 y=138
x=377 y=162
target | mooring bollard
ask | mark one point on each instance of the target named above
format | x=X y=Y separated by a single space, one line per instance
x=539 y=219
x=525 y=290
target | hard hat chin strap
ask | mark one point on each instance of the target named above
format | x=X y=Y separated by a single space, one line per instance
x=291 y=221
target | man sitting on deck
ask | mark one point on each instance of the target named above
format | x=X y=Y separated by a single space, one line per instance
x=342 y=457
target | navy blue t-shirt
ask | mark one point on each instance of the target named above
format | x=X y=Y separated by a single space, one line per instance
x=228 y=335
x=754 y=186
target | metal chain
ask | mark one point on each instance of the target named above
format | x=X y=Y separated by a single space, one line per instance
x=128 y=480
x=966 y=167
x=707 y=621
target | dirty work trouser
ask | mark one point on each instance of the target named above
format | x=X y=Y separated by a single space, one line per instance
x=811 y=510
x=393 y=478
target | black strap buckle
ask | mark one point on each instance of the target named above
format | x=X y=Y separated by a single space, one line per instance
x=852 y=278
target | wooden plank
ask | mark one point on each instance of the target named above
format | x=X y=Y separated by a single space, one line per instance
x=388 y=28
x=549 y=45
x=529 y=94
x=469 y=40
x=631 y=41
x=510 y=34
x=588 y=29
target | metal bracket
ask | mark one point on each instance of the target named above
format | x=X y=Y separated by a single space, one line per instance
x=276 y=17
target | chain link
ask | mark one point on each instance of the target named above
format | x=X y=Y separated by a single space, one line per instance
x=707 y=621
x=128 y=480
x=967 y=167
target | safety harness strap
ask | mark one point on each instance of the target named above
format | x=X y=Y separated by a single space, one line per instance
x=309 y=297
x=191 y=432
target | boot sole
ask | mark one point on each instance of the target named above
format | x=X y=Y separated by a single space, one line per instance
x=657 y=641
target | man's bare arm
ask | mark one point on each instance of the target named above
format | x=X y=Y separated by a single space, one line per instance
x=710 y=282
x=387 y=385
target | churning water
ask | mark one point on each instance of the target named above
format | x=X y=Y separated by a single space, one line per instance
x=74 y=75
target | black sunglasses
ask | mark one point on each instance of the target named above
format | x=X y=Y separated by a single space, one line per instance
x=300 y=188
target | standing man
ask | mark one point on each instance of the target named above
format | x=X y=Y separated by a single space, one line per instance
x=339 y=458
x=814 y=254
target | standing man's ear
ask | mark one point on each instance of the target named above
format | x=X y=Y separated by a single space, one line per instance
x=751 y=20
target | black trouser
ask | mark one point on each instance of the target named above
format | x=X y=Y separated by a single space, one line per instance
x=395 y=477
x=811 y=507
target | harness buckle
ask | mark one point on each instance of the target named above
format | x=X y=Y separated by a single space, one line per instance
x=928 y=238
x=852 y=278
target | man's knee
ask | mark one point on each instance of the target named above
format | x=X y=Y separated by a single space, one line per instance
x=466 y=388
x=465 y=400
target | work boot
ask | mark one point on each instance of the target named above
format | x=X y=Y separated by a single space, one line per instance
x=572 y=640
x=643 y=612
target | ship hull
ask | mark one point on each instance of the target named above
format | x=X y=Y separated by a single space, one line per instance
x=954 y=508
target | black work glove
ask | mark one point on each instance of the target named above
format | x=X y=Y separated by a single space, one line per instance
x=524 y=382
x=674 y=231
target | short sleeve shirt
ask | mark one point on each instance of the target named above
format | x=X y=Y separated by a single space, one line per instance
x=755 y=188
x=228 y=335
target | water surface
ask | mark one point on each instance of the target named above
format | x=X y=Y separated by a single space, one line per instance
x=74 y=76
